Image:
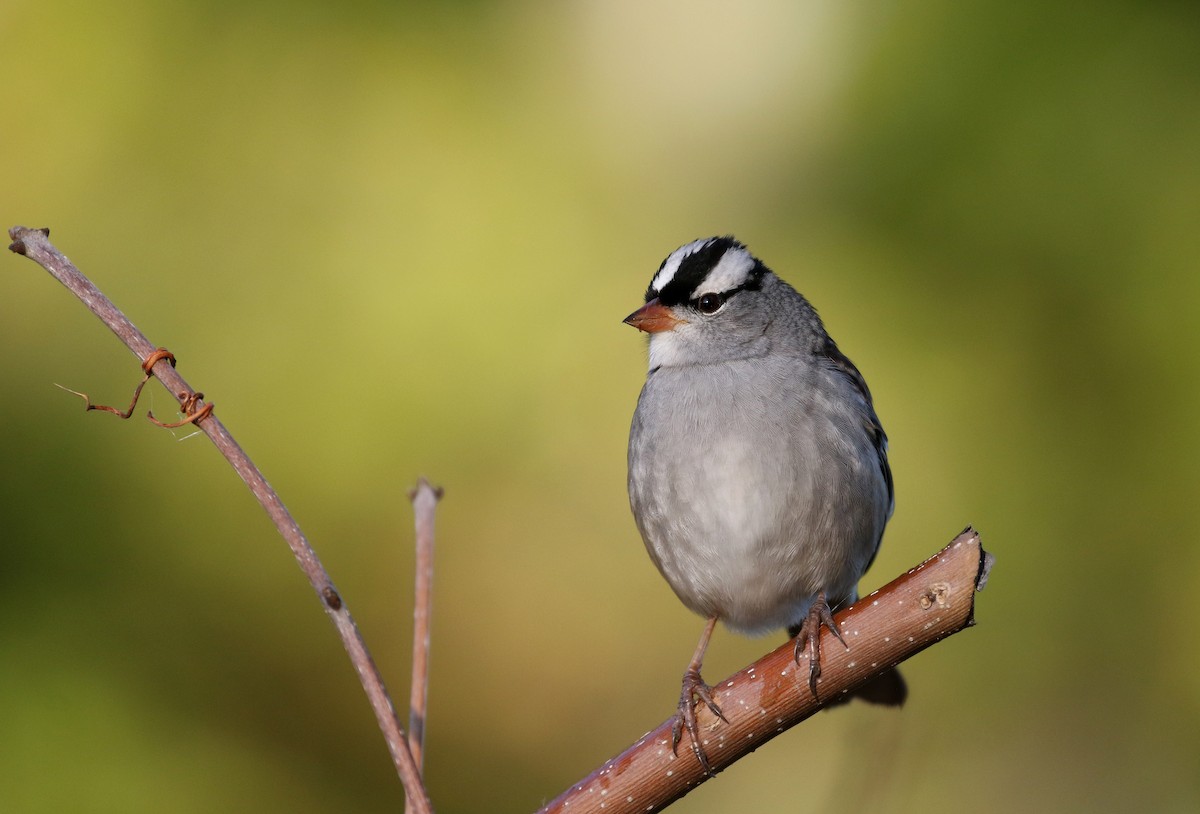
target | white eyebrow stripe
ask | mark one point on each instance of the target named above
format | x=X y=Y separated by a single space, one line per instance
x=671 y=264
x=731 y=271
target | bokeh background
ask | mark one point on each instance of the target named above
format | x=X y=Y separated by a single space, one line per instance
x=398 y=239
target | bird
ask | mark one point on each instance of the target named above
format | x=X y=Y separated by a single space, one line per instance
x=758 y=469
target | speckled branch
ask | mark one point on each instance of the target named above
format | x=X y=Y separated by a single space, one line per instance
x=35 y=244
x=918 y=609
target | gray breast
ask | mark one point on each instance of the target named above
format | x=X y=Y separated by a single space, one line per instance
x=753 y=489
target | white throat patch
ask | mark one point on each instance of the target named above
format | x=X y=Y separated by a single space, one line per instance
x=666 y=348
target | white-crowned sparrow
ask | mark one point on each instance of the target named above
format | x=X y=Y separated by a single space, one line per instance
x=758 y=470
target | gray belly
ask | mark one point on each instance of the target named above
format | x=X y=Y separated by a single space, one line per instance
x=752 y=498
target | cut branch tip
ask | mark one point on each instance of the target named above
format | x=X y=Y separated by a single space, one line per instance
x=422 y=485
x=18 y=233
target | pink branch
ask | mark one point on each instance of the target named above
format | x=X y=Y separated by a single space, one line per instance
x=424 y=499
x=928 y=603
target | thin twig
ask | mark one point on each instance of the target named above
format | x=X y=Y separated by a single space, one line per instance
x=35 y=244
x=424 y=499
x=925 y=605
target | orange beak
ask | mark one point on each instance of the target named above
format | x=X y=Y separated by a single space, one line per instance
x=653 y=317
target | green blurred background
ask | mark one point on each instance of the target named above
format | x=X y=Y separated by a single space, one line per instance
x=399 y=239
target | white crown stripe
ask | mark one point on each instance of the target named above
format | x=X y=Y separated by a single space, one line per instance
x=730 y=272
x=671 y=265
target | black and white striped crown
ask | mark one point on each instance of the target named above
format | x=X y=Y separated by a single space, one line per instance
x=716 y=265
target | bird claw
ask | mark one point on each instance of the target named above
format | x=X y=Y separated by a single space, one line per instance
x=694 y=690
x=809 y=638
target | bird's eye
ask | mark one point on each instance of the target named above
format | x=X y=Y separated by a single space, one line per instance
x=710 y=303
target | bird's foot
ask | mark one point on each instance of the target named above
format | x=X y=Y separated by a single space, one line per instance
x=809 y=638
x=694 y=690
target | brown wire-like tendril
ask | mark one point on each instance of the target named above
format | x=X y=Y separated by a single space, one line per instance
x=155 y=358
x=148 y=365
x=188 y=401
x=87 y=401
x=190 y=414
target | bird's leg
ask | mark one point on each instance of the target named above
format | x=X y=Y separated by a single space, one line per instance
x=694 y=688
x=809 y=636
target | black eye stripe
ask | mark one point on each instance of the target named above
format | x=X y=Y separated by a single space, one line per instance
x=722 y=296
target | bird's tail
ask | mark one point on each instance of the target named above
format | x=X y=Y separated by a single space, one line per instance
x=887 y=688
